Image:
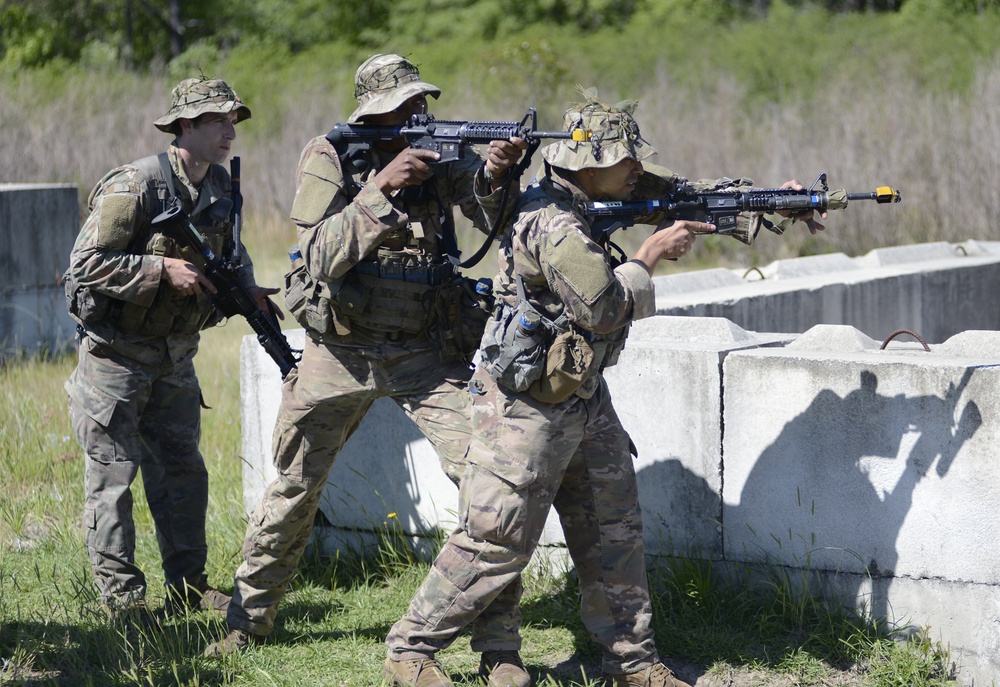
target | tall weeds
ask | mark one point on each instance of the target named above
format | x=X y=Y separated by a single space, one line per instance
x=941 y=147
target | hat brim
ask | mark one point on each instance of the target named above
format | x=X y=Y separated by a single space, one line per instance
x=577 y=155
x=387 y=102
x=165 y=123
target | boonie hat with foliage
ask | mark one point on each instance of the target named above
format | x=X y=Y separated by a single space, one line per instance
x=194 y=97
x=614 y=135
x=384 y=82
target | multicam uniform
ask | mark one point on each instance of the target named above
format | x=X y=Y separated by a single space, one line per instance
x=376 y=293
x=527 y=455
x=134 y=397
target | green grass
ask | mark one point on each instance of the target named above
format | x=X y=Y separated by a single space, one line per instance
x=332 y=625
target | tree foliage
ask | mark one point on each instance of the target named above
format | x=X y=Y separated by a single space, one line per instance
x=143 y=33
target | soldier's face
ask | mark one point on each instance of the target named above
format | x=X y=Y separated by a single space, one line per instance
x=398 y=117
x=616 y=182
x=209 y=138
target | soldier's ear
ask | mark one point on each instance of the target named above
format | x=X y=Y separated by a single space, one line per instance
x=185 y=124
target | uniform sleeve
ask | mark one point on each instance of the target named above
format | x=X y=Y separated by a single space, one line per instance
x=594 y=297
x=102 y=257
x=334 y=231
x=471 y=191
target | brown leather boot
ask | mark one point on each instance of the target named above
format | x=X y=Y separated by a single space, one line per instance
x=656 y=675
x=504 y=669
x=236 y=640
x=418 y=672
x=196 y=597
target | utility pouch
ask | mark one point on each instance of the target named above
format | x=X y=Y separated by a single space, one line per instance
x=515 y=355
x=459 y=311
x=305 y=297
x=85 y=305
x=567 y=365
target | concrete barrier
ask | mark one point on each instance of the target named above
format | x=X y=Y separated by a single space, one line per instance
x=863 y=470
x=38 y=225
x=936 y=289
x=875 y=469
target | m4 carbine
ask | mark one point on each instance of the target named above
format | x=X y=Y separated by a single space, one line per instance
x=722 y=206
x=231 y=297
x=447 y=138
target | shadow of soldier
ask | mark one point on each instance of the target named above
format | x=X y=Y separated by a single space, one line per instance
x=833 y=491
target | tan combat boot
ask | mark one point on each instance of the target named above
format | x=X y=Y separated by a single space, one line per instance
x=504 y=669
x=656 y=675
x=418 y=672
x=235 y=641
x=199 y=597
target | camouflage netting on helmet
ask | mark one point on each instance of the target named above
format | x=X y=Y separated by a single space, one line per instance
x=614 y=135
x=384 y=82
x=192 y=98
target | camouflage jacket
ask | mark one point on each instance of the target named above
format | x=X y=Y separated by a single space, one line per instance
x=117 y=261
x=565 y=272
x=346 y=225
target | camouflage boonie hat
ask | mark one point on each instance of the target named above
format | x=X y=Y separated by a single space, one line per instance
x=614 y=136
x=384 y=82
x=194 y=97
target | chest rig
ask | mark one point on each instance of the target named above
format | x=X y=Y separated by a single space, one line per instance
x=171 y=312
x=395 y=289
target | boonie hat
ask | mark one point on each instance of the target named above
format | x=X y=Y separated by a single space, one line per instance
x=384 y=82
x=198 y=96
x=614 y=136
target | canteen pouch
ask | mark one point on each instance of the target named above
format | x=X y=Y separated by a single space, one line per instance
x=567 y=365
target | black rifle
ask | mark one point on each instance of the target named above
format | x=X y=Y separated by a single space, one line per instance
x=231 y=297
x=721 y=207
x=443 y=137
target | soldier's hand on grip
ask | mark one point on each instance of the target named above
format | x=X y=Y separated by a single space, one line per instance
x=670 y=241
x=409 y=168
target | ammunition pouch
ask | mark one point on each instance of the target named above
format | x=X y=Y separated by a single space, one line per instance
x=459 y=311
x=309 y=300
x=85 y=305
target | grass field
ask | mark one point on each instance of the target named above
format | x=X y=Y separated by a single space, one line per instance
x=869 y=102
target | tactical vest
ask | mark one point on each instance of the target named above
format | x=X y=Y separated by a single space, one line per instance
x=170 y=312
x=395 y=289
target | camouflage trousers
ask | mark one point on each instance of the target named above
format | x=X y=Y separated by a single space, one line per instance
x=322 y=403
x=526 y=456
x=132 y=418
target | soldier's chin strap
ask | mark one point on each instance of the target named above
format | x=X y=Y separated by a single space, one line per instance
x=513 y=177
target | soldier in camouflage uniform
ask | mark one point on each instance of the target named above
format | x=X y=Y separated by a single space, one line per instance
x=140 y=302
x=544 y=429
x=377 y=292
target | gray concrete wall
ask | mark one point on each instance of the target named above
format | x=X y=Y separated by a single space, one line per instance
x=38 y=225
x=935 y=289
x=867 y=472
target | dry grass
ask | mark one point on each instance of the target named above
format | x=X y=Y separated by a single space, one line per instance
x=941 y=150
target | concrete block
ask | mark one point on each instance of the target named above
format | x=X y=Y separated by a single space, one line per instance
x=809 y=266
x=877 y=463
x=905 y=255
x=386 y=467
x=38 y=225
x=936 y=290
x=667 y=391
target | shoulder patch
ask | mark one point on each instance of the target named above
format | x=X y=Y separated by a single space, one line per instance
x=580 y=263
x=117 y=220
x=320 y=182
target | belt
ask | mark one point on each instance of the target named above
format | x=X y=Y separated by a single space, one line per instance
x=431 y=275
